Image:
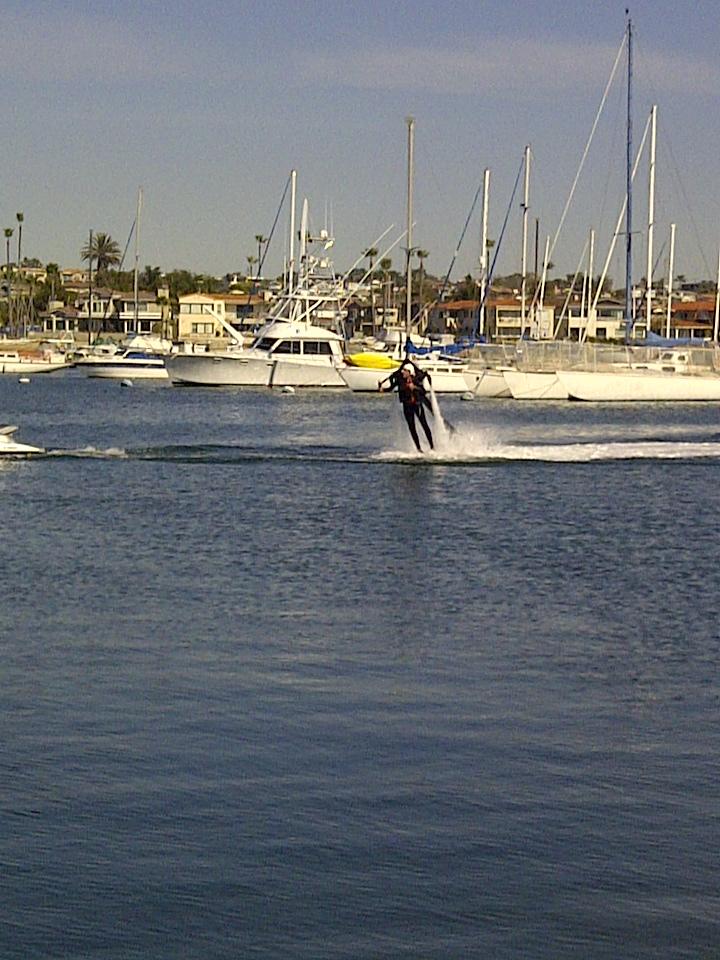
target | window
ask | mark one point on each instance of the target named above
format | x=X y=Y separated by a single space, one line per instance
x=318 y=347
x=288 y=346
x=265 y=343
x=201 y=327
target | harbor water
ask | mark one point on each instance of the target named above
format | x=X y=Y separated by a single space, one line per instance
x=275 y=687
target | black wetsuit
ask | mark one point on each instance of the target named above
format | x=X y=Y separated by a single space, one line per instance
x=413 y=397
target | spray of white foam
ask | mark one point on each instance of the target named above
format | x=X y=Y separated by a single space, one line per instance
x=466 y=444
x=109 y=453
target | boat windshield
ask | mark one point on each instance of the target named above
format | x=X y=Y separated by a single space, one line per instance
x=264 y=343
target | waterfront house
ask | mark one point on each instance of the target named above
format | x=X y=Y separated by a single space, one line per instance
x=74 y=278
x=605 y=321
x=102 y=316
x=59 y=318
x=695 y=318
x=203 y=317
x=151 y=318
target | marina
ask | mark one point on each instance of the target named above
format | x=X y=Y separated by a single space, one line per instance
x=360 y=466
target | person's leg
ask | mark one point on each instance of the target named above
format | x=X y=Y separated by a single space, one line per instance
x=425 y=426
x=409 y=412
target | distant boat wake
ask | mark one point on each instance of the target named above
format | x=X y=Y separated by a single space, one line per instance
x=456 y=446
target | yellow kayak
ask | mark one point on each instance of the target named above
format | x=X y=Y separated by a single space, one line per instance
x=374 y=361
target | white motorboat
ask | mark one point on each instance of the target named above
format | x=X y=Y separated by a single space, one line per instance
x=26 y=364
x=284 y=354
x=298 y=346
x=11 y=448
x=126 y=365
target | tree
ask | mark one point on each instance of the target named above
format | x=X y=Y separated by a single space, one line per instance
x=20 y=217
x=252 y=260
x=8 y=280
x=386 y=267
x=103 y=250
x=467 y=289
x=371 y=253
x=260 y=240
x=151 y=277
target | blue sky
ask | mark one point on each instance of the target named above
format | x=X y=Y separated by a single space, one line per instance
x=208 y=107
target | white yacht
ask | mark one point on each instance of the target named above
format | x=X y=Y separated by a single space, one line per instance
x=297 y=347
x=285 y=353
x=11 y=448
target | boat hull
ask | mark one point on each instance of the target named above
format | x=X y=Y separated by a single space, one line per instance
x=446 y=378
x=599 y=387
x=489 y=383
x=534 y=385
x=11 y=448
x=29 y=367
x=207 y=370
x=127 y=372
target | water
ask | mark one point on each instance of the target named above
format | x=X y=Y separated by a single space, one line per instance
x=275 y=686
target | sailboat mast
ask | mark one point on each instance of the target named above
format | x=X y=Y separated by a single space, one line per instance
x=671 y=267
x=408 y=267
x=525 y=208
x=137 y=260
x=628 y=190
x=484 y=251
x=591 y=267
x=651 y=222
x=90 y=290
x=716 y=325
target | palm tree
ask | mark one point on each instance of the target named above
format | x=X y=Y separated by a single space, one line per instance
x=151 y=277
x=8 y=282
x=251 y=261
x=260 y=240
x=371 y=253
x=52 y=273
x=103 y=250
x=386 y=266
x=19 y=217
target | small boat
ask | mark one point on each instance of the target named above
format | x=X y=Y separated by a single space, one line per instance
x=11 y=448
x=127 y=365
x=12 y=361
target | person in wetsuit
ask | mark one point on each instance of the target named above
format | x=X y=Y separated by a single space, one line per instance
x=408 y=380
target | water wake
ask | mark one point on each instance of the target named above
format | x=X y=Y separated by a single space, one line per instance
x=467 y=446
